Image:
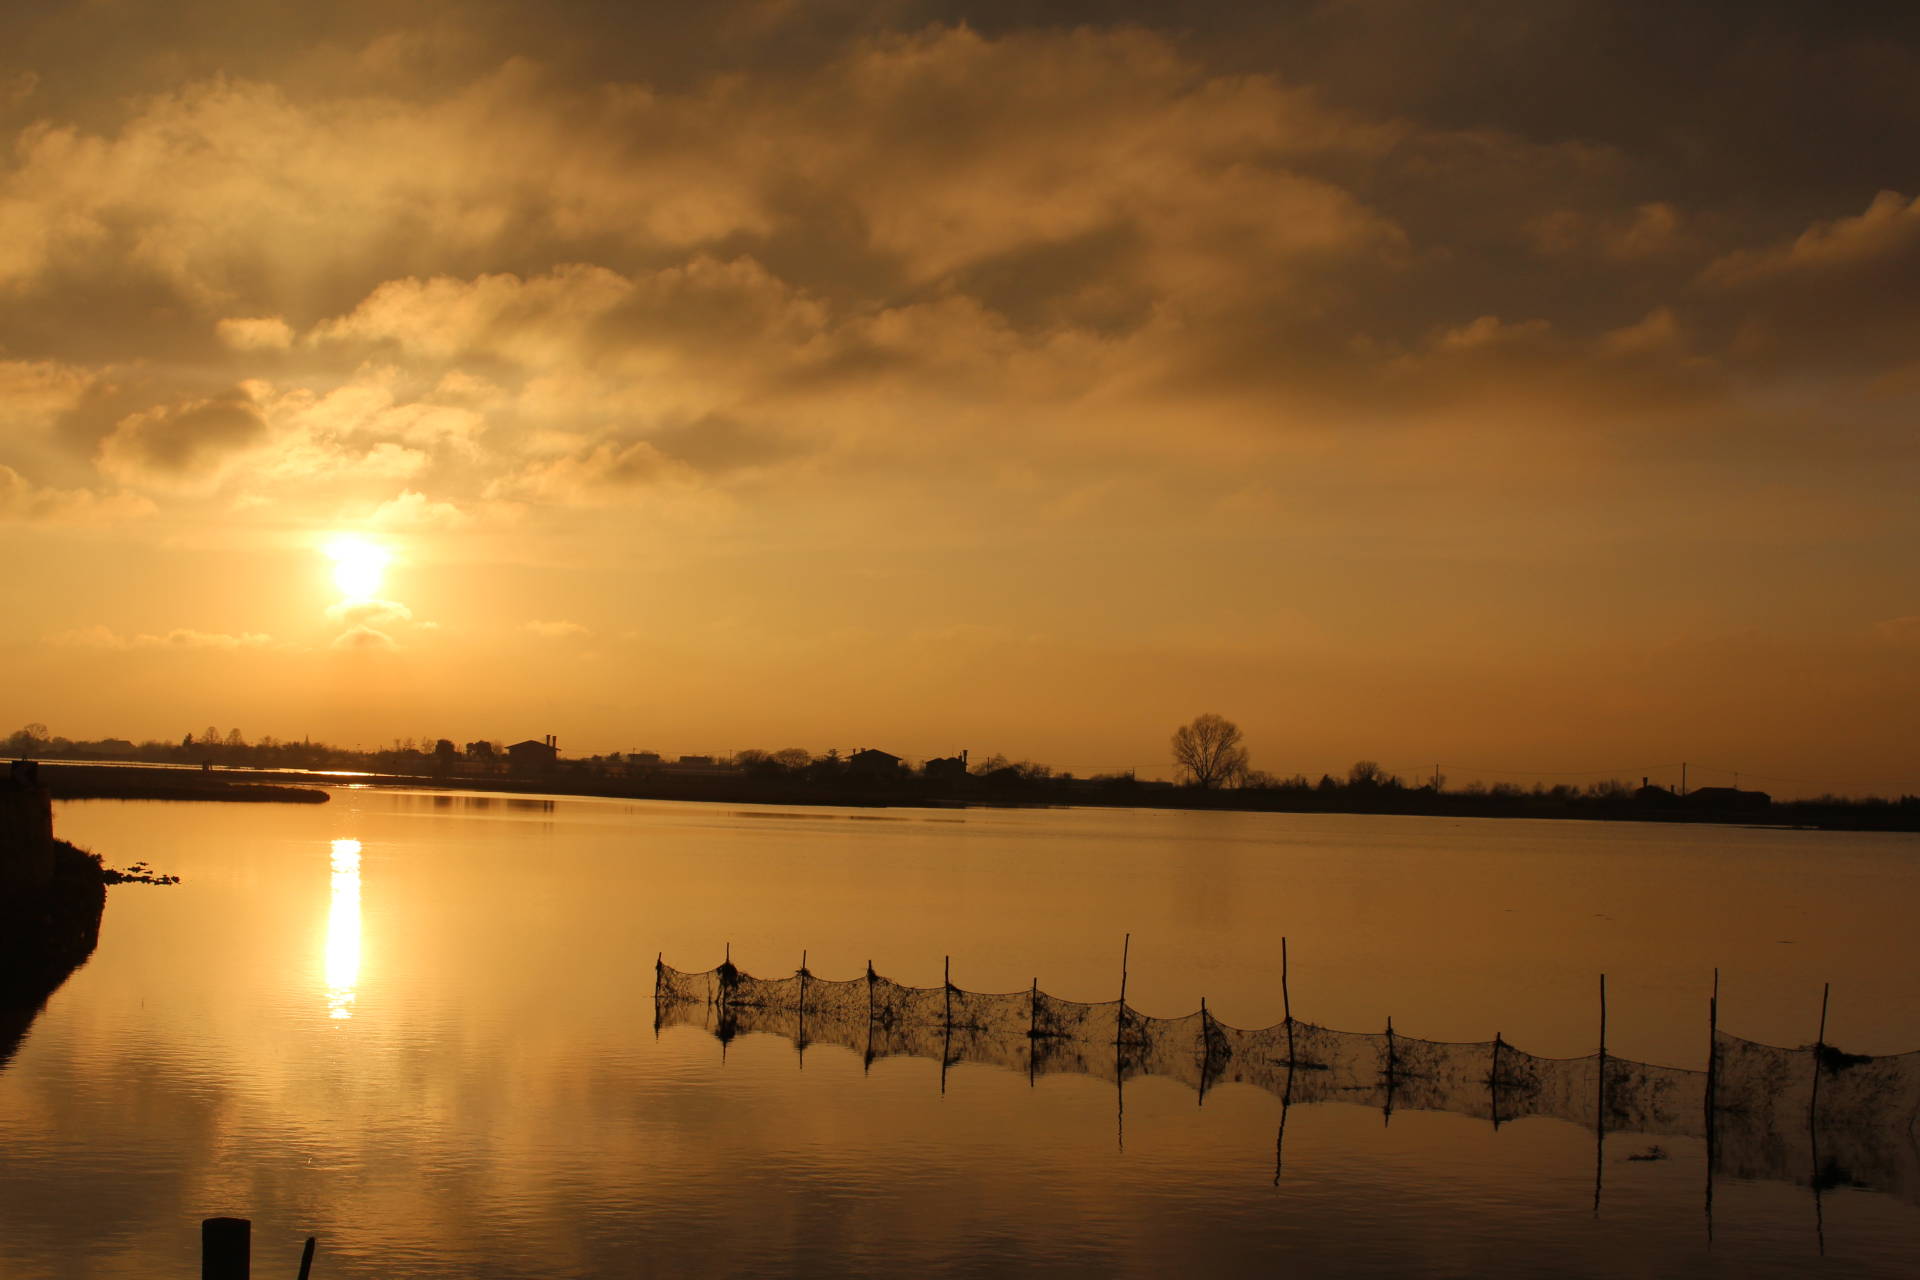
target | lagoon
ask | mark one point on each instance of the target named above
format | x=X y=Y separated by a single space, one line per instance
x=421 y=1026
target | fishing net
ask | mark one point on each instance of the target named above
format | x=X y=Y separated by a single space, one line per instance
x=1816 y=1115
x=1812 y=1115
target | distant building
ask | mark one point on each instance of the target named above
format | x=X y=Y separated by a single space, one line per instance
x=873 y=764
x=945 y=768
x=1647 y=794
x=534 y=757
x=696 y=766
x=1727 y=798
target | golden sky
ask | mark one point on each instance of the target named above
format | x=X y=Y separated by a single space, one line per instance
x=1531 y=385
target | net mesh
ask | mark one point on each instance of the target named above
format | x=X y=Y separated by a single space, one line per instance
x=1813 y=1115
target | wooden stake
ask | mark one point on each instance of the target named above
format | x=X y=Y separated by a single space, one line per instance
x=1033 y=1033
x=1493 y=1082
x=306 y=1258
x=1713 y=1081
x=802 y=1009
x=946 y=1035
x=1120 y=1023
x=226 y=1248
x=1819 y=1049
x=1603 y=1018
x=1206 y=1054
x=1813 y=1123
x=1286 y=1007
x=1387 y=1112
x=1600 y=1103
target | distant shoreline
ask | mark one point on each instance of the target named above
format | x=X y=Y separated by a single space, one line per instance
x=65 y=781
x=133 y=781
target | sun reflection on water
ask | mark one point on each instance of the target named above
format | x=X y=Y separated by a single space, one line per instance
x=343 y=930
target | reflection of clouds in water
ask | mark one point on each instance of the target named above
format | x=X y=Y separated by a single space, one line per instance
x=343 y=930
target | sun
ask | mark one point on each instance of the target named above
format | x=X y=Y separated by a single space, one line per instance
x=357 y=566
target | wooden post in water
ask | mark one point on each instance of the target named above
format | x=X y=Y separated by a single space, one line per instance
x=1813 y=1122
x=946 y=1031
x=871 y=978
x=1600 y=1103
x=1493 y=1083
x=1713 y=1081
x=1206 y=1054
x=1386 y=1112
x=1033 y=1032
x=1120 y=1022
x=1819 y=1051
x=1713 y=1045
x=306 y=1257
x=802 y=1008
x=1286 y=1008
x=226 y=1248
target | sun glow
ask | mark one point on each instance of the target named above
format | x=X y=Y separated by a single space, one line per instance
x=343 y=930
x=357 y=566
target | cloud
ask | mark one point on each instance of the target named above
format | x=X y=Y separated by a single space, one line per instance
x=1843 y=293
x=364 y=639
x=370 y=613
x=1888 y=231
x=1651 y=231
x=33 y=392
x=23 y=501
x=185 y=446
x=558 y=629
x=264 y=333
x=603 y=472
x=414 y=510
x=802 y=273
x=180 y=638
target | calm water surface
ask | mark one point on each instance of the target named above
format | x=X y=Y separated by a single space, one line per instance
x=421 y=1026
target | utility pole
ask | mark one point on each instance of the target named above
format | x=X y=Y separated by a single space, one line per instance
x=1683 y=777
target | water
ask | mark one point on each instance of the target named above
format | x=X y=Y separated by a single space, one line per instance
x=420 y=1026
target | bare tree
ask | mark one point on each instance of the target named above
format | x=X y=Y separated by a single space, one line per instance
x=1209 y=752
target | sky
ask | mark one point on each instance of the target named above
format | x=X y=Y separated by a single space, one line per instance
x=1527 y=389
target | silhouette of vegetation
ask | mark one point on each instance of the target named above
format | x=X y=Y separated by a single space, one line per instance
x=794 y=775
x=1208 y=752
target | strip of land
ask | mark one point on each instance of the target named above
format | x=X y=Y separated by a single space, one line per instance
x=115 y=782
x=134 y=782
